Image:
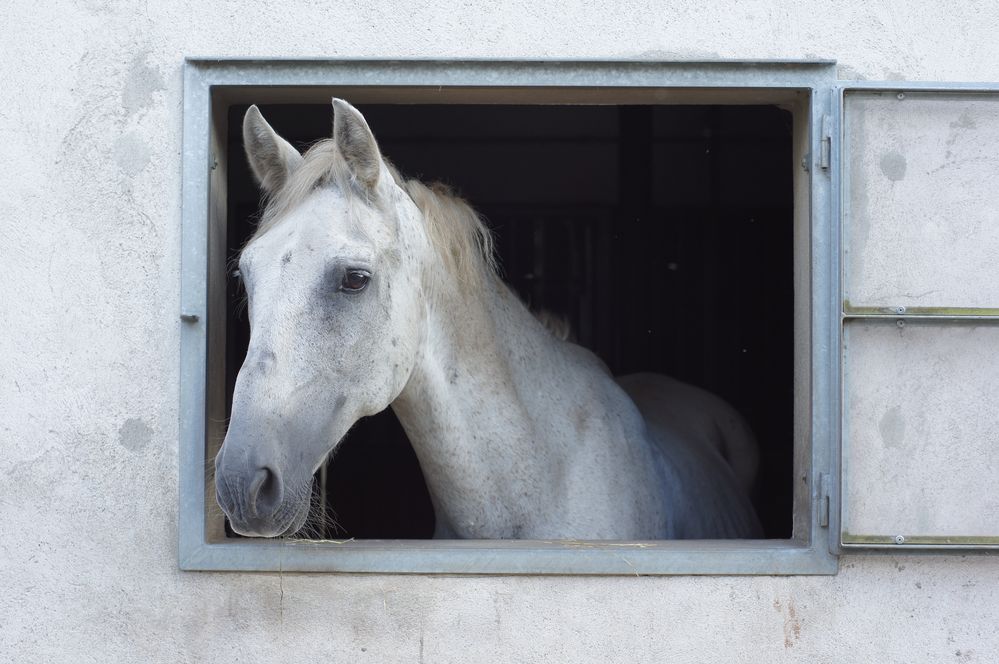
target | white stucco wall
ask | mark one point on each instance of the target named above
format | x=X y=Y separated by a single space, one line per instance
x=90 y=125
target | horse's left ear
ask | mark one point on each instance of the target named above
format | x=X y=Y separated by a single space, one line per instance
x=357 y=143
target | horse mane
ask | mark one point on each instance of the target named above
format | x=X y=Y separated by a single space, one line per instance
x=454 y=229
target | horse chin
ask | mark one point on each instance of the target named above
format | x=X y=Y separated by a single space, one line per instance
x=270 y=530
x=298 y=521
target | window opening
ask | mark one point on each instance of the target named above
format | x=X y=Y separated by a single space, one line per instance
x=661 y=234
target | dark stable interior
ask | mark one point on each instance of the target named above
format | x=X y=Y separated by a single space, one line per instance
x=662 y=234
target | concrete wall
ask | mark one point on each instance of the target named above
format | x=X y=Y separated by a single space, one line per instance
x=90 y=126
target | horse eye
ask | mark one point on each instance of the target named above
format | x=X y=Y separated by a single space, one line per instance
x=354 y=281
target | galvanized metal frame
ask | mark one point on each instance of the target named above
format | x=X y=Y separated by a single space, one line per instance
x=207 y=80
x=894 y=315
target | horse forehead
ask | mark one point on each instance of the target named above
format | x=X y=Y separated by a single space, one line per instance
x=328 y=217
x=295 y=256
x=299 y=241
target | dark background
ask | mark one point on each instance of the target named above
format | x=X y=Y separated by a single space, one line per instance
x=663 y=234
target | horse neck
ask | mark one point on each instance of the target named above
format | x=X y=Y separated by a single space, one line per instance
x=464 y=405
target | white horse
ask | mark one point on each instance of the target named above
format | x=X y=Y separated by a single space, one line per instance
x=367 y=290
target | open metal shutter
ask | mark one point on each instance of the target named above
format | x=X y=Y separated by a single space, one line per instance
x=920 y=307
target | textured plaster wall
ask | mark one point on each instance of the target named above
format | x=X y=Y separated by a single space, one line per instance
x=90 y=125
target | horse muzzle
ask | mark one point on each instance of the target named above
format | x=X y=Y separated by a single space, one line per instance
x=254 y=501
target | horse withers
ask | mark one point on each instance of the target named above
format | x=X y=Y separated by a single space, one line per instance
x=368 y=290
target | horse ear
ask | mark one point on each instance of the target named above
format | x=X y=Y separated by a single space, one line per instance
x=356 y=142
x=272 y=159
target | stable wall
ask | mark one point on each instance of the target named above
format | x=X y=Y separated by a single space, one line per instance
x=90 y=139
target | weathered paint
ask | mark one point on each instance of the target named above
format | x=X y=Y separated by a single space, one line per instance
x=89 y=337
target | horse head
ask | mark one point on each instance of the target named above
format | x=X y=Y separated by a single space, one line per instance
x=334 y=283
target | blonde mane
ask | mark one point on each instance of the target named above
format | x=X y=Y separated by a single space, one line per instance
x=453 y=228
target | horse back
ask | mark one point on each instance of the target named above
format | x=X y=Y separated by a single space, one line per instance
x=710 y=452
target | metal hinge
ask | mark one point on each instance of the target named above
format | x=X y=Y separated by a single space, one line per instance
x=824 y=500
x=825 y=143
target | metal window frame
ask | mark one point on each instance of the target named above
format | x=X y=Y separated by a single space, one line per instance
x=811 y=551
x=882 y=542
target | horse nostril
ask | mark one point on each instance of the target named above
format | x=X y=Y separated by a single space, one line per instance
x=265 y=492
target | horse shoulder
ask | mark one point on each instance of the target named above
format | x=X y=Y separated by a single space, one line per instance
x=609 y=465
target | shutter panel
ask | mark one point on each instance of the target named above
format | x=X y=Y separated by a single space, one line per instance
x=920 y=282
